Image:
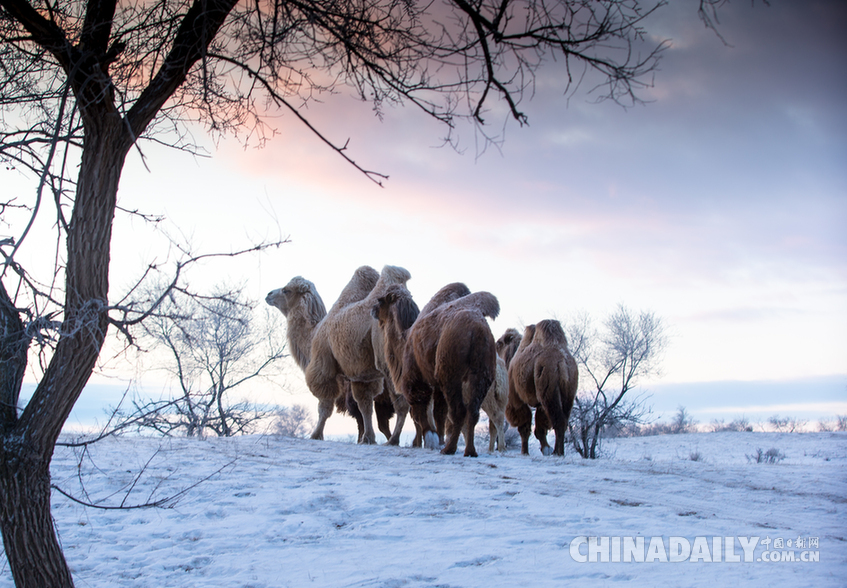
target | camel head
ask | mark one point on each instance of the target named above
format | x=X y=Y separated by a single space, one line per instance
x=508 y=343
x=299 y=291
x=396 y=304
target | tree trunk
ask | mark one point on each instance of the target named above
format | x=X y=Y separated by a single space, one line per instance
x=14 y=345
x=26 y=448
x=32 y=549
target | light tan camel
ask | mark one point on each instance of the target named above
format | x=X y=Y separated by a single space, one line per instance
x=448 y=351
x=542 y=374
x=304 y=309
x=494 y=405
x=343 y=346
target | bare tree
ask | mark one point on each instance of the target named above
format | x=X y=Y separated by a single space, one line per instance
x=683 y=422
x=611 y=361
x=786 y=424
x=213 y=347
x=737 y=425
x=293 y=421
x=83 y=82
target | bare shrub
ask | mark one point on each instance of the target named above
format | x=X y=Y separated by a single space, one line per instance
x=211 y=346
x=786 y=424
x=737 y=425
x=682 y=422
x=611 y=362
x=293 y=421
x=839 y=423
x=771 y=456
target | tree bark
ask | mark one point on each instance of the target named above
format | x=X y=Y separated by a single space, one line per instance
x=14 y=344
x=35 y=556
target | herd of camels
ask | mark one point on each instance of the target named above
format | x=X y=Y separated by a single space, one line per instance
x=376 y=354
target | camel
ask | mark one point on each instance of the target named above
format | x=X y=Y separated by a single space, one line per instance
x=343 y=346
x=508 y=344
x=448 y=351
x=494 y=403
x=304 y=310
x=542 y=374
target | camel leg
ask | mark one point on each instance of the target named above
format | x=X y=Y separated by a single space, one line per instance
x=322 y=380
x=401 y=413
x=384 y=410
x=428 y=438
x=418 y=440
x=520 y=417
x=496 y=432
x=353 y=410
x=418 y=396
x=556 y=419
x=479 y=388
x=542 y=425
x=456 y=413
x=559 y=448
x=364 y=393
x=401 y=409
x=325 y=407
x=439 y=416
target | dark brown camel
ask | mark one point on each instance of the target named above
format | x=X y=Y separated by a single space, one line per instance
x=448 y=351
x=542 y=374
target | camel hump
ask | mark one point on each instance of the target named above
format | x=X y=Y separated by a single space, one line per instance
x=528 y=336
x=394 y=274
x=360 y=285
x=448 y=293
x=550 y=332
x=485 y=302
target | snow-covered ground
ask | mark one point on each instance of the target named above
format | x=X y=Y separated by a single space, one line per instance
x=285 y=512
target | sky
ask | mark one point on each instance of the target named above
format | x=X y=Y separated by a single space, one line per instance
x=720 y=204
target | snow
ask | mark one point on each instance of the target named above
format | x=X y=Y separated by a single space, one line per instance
x=278 y=512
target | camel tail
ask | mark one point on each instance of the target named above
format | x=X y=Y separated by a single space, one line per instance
x=552 y=380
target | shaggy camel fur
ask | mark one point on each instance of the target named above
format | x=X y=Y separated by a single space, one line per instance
x=508 y=344
x=542 y=374
x=438 y=406
x=405 y=313
x=304 y=309
x=494 y=405
x=447 y=351
x=344 y=346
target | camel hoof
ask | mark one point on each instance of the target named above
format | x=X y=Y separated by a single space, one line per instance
x=431 y=440
x=546 y=450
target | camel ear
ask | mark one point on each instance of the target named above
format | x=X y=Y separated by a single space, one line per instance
x=380 y=302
